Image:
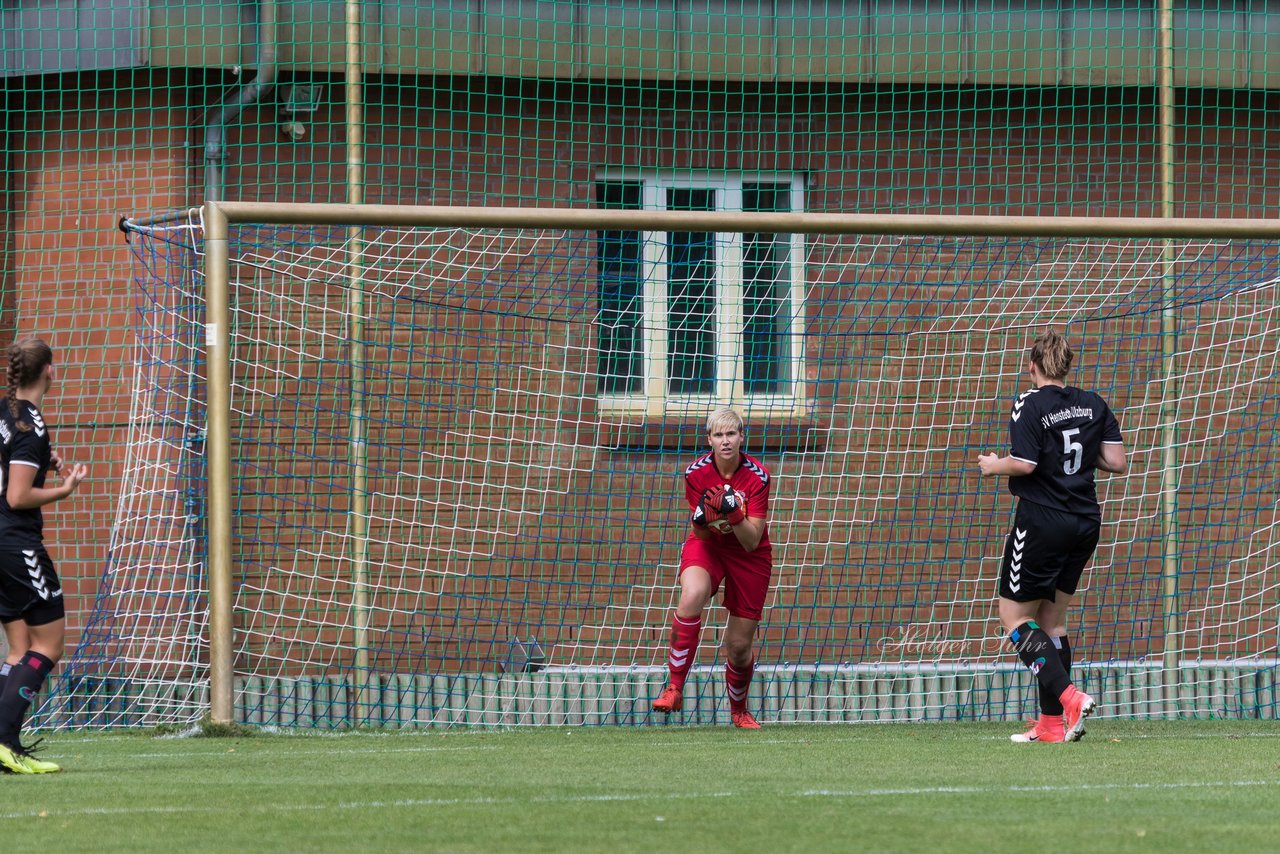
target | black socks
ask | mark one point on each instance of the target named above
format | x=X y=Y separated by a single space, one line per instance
x=1037 y=652
x=20 y=688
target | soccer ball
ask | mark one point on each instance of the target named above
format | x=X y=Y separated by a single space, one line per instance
x=720 y=526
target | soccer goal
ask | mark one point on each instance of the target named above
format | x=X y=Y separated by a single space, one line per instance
x=439 y=472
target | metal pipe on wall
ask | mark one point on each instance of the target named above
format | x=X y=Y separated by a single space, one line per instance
x=215 y=133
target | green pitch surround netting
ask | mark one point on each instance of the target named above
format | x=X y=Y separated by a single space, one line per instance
x=875 y=106
x=528 y=398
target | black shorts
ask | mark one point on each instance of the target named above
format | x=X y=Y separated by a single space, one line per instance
x=29 y=587
x=1046 y=552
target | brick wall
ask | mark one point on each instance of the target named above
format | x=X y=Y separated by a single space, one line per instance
x=107 y=149
x=82 y=156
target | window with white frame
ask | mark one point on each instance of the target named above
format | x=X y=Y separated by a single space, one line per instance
x=693 y=318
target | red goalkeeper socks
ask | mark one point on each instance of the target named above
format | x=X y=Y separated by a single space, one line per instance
x=685 y=634
x=739 y=683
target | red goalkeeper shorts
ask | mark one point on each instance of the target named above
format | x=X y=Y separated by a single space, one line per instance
x=745 y=575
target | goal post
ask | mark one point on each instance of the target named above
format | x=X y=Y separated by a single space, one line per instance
x=961 y=295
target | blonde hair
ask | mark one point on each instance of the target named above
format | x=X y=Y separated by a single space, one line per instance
x=723 y=417
x=1052 y=355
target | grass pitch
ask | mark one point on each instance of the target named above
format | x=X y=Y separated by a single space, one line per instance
x=1129 y=786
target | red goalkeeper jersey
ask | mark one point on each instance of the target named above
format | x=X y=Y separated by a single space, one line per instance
x=751 y=479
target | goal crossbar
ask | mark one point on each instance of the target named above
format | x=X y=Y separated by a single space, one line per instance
x=218 y=215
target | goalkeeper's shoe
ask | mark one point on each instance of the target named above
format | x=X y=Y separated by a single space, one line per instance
x=742 y=719
x=1048 y=729
x=13 y=760
x=670 y=700
x=1076 y=706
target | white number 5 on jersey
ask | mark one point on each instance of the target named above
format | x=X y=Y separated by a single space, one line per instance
x=1072 y=451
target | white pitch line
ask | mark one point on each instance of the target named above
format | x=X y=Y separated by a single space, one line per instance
x=836 y=794
x=331 y=751
x=1157 y=736
x=245 y=748
x=293 y=751
x=987 y=790
x=744 y=743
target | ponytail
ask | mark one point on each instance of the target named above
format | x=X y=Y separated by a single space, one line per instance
x=27 y=359
x=1052 y=355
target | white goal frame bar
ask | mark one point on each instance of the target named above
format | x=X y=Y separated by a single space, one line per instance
x=218 y=218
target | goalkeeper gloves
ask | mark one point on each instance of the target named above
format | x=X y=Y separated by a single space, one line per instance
x=707 y=512
x=732 y=505
x=716 y=507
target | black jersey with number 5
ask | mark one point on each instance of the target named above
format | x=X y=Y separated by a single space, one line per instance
x=1061 y=430
x=24 y=441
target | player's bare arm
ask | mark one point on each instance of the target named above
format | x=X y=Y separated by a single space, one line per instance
x=23 y=494
x=749 y=533
x=993 y=465
x=1112 y=459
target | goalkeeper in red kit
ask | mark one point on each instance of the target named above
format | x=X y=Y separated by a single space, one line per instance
x=728 y=544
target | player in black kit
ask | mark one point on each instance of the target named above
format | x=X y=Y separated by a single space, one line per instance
x=31 y=606
x=1059 y=435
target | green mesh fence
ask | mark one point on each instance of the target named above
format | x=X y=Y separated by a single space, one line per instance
x=1042 y=109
